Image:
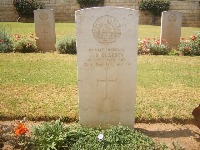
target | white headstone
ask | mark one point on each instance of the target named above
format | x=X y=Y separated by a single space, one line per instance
x=171 y=22
x=45 y=29
x=107 y=41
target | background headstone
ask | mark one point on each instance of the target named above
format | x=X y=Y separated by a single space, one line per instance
x=107 y=40
x=45 y=29
x=171 y=28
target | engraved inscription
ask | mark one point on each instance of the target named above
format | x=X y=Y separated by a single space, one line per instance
x=106 y=29
x=43 y=16
x=106 y=58
x=172 y=17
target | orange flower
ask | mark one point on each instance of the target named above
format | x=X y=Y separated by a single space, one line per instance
x=182 y=38
x=21 y=129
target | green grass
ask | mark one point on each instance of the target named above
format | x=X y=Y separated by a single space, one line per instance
x=69 y=29
x=45 y=86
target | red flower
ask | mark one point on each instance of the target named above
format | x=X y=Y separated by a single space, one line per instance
x=21 y=129
x=157 y=42
x=193 y=37
x=1 y=41
x=187 y=48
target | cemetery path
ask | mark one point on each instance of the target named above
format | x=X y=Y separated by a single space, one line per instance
x=187 y=136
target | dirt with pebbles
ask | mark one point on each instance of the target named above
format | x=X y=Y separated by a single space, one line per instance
x=186 y=136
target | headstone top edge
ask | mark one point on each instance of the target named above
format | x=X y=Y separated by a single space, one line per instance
x=105 y=7
x=43 y=10
x=170 y=11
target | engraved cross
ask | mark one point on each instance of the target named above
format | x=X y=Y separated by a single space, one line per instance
x=44 y=38
x=107 y=81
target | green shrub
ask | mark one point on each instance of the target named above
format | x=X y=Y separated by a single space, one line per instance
x=66 y=45
x=6 y=44
x=155 y=7
x=190 y=47
x=90 y=3
x=159 y=49
x=55 y=135
x=25 y=8
x=23 y=44
x=147 y=47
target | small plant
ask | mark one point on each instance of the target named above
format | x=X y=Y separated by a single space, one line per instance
x=66 y=45
x=49 y=136
x=25 y=8
x=55 y=135
x=6 y=44
x=115 y=137
x=190 y=47
x=90 y=3
x=24 y=44
x=143 y=46
x=155 y=7
x=156 y=48
x=147 y=47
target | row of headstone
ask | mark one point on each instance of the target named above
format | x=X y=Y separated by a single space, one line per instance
x=107 y=40
x=45 y=29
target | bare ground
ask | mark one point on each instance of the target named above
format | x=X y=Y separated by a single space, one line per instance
x=187 y=136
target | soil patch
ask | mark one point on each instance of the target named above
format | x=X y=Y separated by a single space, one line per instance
x=187 y=136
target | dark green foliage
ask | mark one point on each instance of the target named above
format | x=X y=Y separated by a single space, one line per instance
x=6 y=44
x=155 y=7
x=115 y=137
x=90 y=3
x=66 y=45
x=25 y=8
x=55 y=135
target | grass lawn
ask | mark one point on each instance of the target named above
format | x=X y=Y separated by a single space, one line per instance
x=69 y=29
x=45 y=86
